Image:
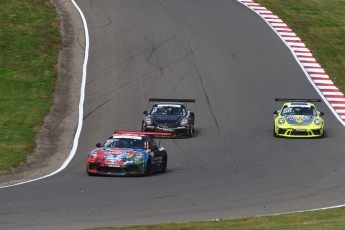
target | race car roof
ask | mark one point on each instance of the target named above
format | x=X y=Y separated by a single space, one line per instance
x=298 y=104
x=166 y=104
x=121 y=136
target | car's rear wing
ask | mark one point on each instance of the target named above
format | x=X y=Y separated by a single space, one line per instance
x=142 y=133
x=297 y=100
x=171 y=100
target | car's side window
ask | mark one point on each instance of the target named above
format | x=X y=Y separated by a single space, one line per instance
x=314 y=111
x=152 y=144
x=286 y=110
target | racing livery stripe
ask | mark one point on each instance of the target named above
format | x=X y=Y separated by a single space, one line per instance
x=318 y=77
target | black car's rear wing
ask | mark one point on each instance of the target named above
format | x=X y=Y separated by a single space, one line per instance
x=171 y=100
x=297 y=100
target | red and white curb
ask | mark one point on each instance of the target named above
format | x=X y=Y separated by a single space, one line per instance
x=317 y=76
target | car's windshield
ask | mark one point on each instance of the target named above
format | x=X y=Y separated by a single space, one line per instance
x=299 y=110
x=125 y=143
x=168 y=110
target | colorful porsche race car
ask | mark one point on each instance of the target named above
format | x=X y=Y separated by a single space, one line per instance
x=128 y=153
x=298 y=118
x=171 y=116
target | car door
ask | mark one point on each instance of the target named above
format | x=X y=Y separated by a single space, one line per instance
x=156 y=155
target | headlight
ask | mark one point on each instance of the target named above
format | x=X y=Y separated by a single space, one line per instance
x=184 y=121
x=281 y=121
x=94 y=154
x=317 y=122
x=148 y=120
x=139 y=157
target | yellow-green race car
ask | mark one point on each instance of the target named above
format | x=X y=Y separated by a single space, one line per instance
x=298 y=118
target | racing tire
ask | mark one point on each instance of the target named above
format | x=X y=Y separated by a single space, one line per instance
x=190 y=132
x=323 y=134
x=148 y=168
x=193 y=122
x=274 y=132
x=164 y=163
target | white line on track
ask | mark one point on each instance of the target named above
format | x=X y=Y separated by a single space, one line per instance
x=81 y=104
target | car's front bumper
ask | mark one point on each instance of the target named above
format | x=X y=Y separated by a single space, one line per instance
x=298 y=131
x=118 y=170
x=174 y=130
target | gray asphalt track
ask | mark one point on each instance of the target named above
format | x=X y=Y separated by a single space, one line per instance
x=224 y=56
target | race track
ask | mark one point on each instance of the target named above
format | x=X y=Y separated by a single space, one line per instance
x=231 y=62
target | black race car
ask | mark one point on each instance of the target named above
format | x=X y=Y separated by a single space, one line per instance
x=169 y=115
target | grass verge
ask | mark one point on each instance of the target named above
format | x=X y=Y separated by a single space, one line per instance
x=321 y=26
x=29 y=44
x=332 y=219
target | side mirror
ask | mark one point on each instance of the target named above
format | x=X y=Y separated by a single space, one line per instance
x=321 y=114
x=275 y=113
x=98 y=145
x=145 y=112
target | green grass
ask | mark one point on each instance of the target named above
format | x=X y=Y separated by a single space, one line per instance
x=332 y=219
x=321 y=26
x=29 y=44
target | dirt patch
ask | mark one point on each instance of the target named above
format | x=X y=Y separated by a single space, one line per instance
x=55 y=139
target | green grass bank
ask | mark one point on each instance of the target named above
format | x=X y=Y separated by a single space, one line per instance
x=321 y=26
x=29 y=45
x=333 y=219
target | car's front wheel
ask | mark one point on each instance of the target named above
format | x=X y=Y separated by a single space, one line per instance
x=190 y=131
x=274 y=131
x=164 y=163
x=323 y=134
x=148 y=168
